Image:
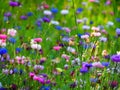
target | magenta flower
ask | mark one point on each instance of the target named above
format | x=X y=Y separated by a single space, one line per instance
x=57 y=48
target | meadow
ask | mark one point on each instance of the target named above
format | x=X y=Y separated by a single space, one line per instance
x=59 y=44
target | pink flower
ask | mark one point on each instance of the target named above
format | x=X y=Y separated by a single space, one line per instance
x=35 y=78
x=12 y=32
x=38 y=40
x=92 y=0
x=57 y=48
x=31 y=74
x=97 y=64
x=3 y=36
x=66 y=57
x=41 y=80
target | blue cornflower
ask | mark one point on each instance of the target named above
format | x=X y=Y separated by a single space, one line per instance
x=106 y=64
x=79 y=10
x=79 y=35
x=45 y=88
x=15 y=70
x=54 y=10
x=12 y=40
x=29 y=14
x=58 y=27
x=118 y=19
x=18 y=49
x=84 y=70
x=3 y=51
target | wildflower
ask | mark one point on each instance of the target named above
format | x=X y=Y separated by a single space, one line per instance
x=3 y=36
x=54 y=10
x=79 y=10
x=54 y=22
x=45 y=19
x=23 y=17
x=106 y=64
x=58 y=27
x=47 y=12
x=85 y=27
x=97 y=64
x=29 y=14
x=3 y=51
x=14 y=4
x=38 y=40
x=45 y=88
x=113 y=84
x=115 y=58
x=57 y=48
x=31 y=74
x=12 y=40
x=12 y=32
x=64 y=12
x=84 y=70
x=118 y=31
x=103 y=39
x=118 y=19
x=70 y=49
x=84 y=36
x=7 y=14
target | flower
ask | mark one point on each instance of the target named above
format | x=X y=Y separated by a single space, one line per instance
x=103 y=39
x=54 y=10
x=45 y=19
x=45 y=88
x=12 y=40
x=12 y=32
x=79 y=10
x=14 y=4
x=64 y=12
x=84 y=70
x=23 y=17
x=118 y=31
x=58 y=27
x=57 y=48
x=7 y=14
x=3 y=51
x=106 y=64
x=29 y=14
x=84 y=36
x=113 y=84
x=54 y=22
x=3 y=36
x=38 y=40
x=115 y=58
x=31 y=74
x=47 y=12
x=97 y=64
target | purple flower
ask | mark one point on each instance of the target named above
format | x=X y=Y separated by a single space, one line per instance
x=45 y=19
x=84 y=70
x=14 y=4
x=115 y=58
x=118 y=31
x=7 y=14
x=23 y=17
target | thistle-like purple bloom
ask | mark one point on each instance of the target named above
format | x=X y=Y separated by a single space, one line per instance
x=7 y=14
x=115 y=58
x=14 y=4
x=23 y=17
x=45 y=19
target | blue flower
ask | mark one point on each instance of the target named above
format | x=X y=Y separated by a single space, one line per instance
x=79 y=35
x=94 y=80
x=118 y=31
x=54 y=10
x=3 y=51
x=118 y=19
x=106 y=64
x=15 y=70
x=29 y=14
x=12 y=40
x=79 y=10
x=91 y=22
x=58 y=27
x=84 y=70
x=45 y=88
x=18 y=49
